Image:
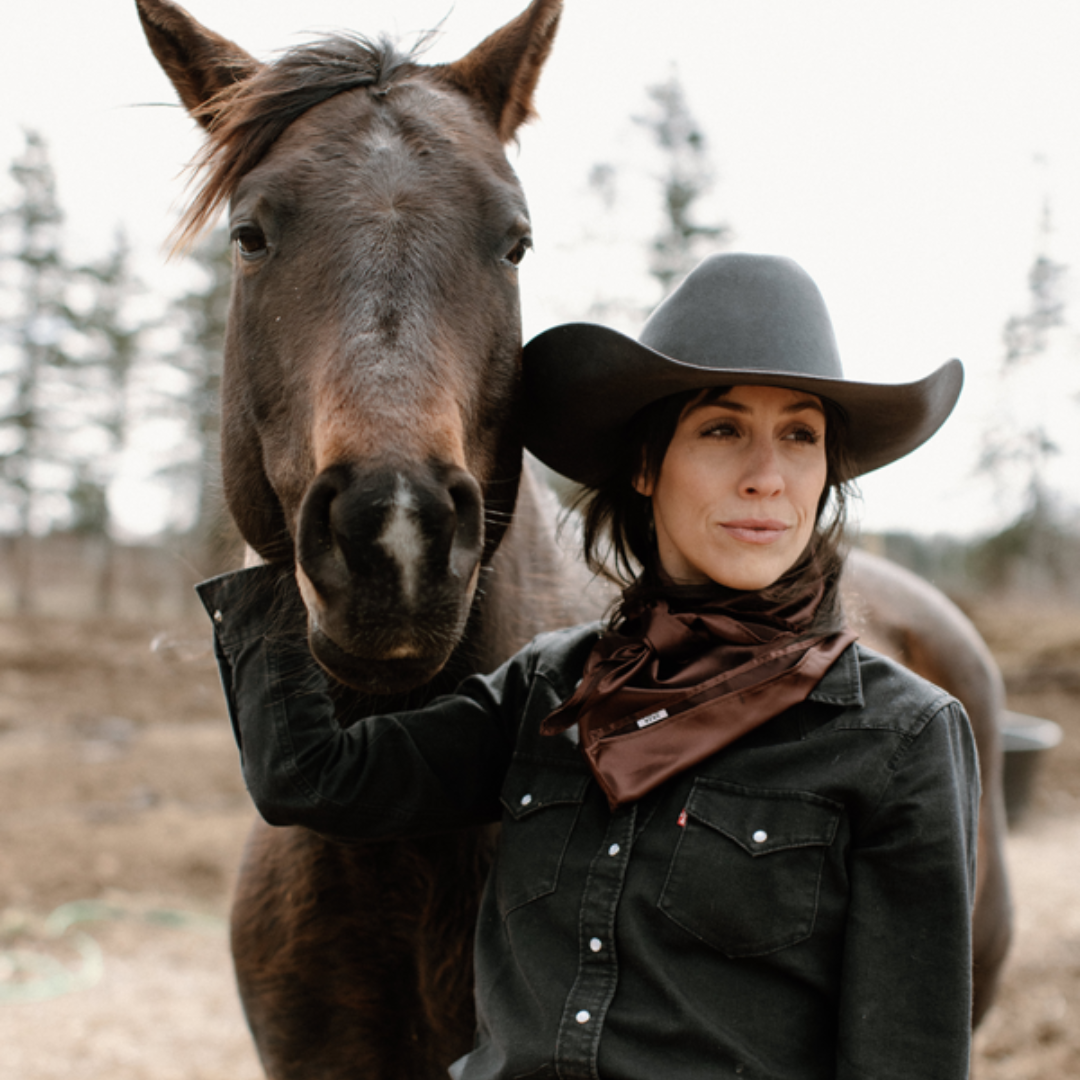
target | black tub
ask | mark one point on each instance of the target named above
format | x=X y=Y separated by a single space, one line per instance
x=1026 y=740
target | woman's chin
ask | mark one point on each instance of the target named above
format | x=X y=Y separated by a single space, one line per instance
x=747 y=571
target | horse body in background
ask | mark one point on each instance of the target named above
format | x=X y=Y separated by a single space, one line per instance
x=371 y=447
x=903 y=616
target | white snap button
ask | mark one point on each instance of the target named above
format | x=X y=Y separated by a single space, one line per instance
x=596 y=944
x=613 y=850
x=526 y=799
x=583 y=1017
x=760 y=836
x=218 y=617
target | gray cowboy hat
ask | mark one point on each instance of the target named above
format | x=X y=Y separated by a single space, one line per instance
x=736 y=319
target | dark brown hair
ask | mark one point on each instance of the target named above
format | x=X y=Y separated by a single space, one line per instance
x=619 y=539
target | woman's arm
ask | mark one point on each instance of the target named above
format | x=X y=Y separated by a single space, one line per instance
x=905 y=1007
x=431 y=770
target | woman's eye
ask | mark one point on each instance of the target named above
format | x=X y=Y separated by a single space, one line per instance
x=806 y=435
x=517 y=252
x=250 y=241
x=721 y=431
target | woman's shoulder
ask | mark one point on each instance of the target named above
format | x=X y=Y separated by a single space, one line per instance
x=560 y=655
x=545 y=674
x=885 y=694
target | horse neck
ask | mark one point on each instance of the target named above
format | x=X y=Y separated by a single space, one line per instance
x=536 y=581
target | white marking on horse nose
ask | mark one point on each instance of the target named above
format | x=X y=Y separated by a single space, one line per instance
x=401 y=540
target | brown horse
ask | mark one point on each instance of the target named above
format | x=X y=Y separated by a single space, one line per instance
x=371 y=448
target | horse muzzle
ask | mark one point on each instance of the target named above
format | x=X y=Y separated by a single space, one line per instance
x=387 y=561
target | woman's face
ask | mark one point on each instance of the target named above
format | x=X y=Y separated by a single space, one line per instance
x=737 y=493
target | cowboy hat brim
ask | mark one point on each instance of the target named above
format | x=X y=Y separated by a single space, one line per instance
x=583 y=383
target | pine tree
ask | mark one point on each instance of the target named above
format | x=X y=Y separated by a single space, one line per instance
x=111 y=338
x=201 y=315
x=687 y=177
x=36 y=333
x=684 y=175
x=1021 y=445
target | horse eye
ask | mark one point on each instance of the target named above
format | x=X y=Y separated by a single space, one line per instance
x=250 y=241
x=517 y=252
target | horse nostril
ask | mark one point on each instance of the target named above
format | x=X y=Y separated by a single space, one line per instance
x=468 y=539
x=319 y=552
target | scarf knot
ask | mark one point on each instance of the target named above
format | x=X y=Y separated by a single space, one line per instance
x=669 y=688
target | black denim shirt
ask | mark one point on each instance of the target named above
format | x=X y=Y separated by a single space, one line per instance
x=796 y=908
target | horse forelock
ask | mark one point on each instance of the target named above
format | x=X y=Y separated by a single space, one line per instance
x=248 y=117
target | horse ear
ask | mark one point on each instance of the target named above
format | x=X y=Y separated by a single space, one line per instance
x=199 y=62
x=502 y=71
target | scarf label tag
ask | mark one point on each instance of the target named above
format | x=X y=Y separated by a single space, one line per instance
x=652 y=718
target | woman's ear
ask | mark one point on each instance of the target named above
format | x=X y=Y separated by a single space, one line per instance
x=644 y=483
x=644 y=480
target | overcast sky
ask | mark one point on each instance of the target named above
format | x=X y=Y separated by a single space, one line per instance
x=901 y=150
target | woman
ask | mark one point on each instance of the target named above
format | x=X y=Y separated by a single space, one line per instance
x=734 y=842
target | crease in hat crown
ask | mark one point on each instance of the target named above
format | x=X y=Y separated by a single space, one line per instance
x=747 y=312
x=735 y=319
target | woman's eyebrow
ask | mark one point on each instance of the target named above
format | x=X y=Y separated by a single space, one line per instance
x=805 y=403
x=800 y=405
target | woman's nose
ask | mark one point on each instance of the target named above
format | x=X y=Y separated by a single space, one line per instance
x=762 y=475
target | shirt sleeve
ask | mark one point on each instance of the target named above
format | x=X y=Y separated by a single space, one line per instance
x=906 y=989
x=428 y=770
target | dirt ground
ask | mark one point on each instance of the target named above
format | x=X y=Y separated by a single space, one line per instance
x=122 y=819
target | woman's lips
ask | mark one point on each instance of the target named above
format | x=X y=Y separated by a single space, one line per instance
x=754 y=530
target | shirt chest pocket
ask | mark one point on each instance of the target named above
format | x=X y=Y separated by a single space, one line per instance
x=747 y=868
x=541 y=801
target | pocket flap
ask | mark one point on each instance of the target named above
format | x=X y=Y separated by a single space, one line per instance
x=533 y=784
x=761 y=820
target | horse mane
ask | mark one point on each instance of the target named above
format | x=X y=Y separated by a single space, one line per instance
x=244 y=120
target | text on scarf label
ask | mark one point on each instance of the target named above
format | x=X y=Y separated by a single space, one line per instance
x=652 y=718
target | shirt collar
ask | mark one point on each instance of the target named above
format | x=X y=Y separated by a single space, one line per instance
x=842 y=683
x=240 y=602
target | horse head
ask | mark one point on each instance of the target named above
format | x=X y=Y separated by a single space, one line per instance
x=372 y=357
